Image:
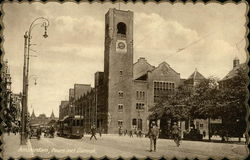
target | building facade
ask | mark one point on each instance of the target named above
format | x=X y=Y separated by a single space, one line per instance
x=125 y=92
x=42 y=119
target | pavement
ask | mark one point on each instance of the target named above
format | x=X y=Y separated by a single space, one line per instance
x=114 y=146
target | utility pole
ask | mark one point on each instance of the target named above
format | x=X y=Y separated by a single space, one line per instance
x=96 y=106
x=24 y=95
x=27 y=45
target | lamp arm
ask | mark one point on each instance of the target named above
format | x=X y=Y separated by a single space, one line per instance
x=39 y=18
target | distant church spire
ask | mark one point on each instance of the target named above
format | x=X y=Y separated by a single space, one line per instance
x=52 y=116
x=33 y=114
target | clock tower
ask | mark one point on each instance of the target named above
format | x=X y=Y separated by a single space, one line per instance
x=118 y=69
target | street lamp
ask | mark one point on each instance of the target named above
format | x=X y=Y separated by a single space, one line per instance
x=27 y=44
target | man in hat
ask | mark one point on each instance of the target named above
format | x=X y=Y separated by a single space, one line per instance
x=176 y=134
x=93 y=132
x=153 y=135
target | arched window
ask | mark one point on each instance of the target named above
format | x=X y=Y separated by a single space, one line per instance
x=121 y=28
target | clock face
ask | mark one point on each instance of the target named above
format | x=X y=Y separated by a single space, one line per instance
x=121 y=45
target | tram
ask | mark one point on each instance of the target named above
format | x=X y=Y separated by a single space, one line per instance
x=71 y=127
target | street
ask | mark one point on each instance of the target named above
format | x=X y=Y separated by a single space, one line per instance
x=114 y=146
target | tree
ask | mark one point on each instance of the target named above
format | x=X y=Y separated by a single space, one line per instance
x=174 y=106
x=205 y=98
x=233 y=102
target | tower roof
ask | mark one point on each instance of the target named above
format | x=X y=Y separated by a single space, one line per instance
x=233 y=72
x=196 y=75
x=52 y=116
x=33 y=114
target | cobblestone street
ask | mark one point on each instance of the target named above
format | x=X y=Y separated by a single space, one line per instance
x=114 y=146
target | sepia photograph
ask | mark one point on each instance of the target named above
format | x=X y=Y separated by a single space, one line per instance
x=124 y=79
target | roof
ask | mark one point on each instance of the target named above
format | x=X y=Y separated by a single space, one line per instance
x=196 y=76
x=164 y=64
x=141 y=67
x=52 y=115
x=33 y=114
x=233 y=72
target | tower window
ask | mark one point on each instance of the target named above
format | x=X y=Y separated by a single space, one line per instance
x=120 y=72
x=120 y=107
x=121 y=28
x=120 y=93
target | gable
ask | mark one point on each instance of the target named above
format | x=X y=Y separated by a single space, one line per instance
x=141 y=67
x=164 y=69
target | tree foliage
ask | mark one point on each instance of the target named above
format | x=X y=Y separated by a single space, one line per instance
x=174 y=106
x=208 y=99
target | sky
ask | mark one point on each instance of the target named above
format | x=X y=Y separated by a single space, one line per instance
x=205 y=36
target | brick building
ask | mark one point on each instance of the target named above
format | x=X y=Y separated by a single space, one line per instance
x=124 y=93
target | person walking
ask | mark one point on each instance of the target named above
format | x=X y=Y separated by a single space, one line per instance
x=120 y=131
x=176 y=134
x=130 y=133
x=153 y=136
x=125 y=132
x=93 y=132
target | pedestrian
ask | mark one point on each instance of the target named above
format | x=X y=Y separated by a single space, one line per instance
x=136 y=132
x=140 y=133
x=204 y=134
x=52 y=132
x=153 y=136
x=130 y=133
x=246 y=138
x=125 y=132
x=93 y=132
x=8 y=131
x=176 y=134
x=120 y=131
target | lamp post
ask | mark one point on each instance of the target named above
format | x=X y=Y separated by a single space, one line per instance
x=27 y=38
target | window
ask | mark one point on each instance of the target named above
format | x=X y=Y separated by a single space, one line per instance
x=121 y=72
x=120 y=123
x=120 y=107
x=134 y=122
x=163 y=89
x=201 y=125
x=140 y=106
x=120 y=93
x=140 y=95
x=121 y=28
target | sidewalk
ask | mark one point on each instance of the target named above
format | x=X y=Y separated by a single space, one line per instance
x=214 y=139
x=12 y=147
